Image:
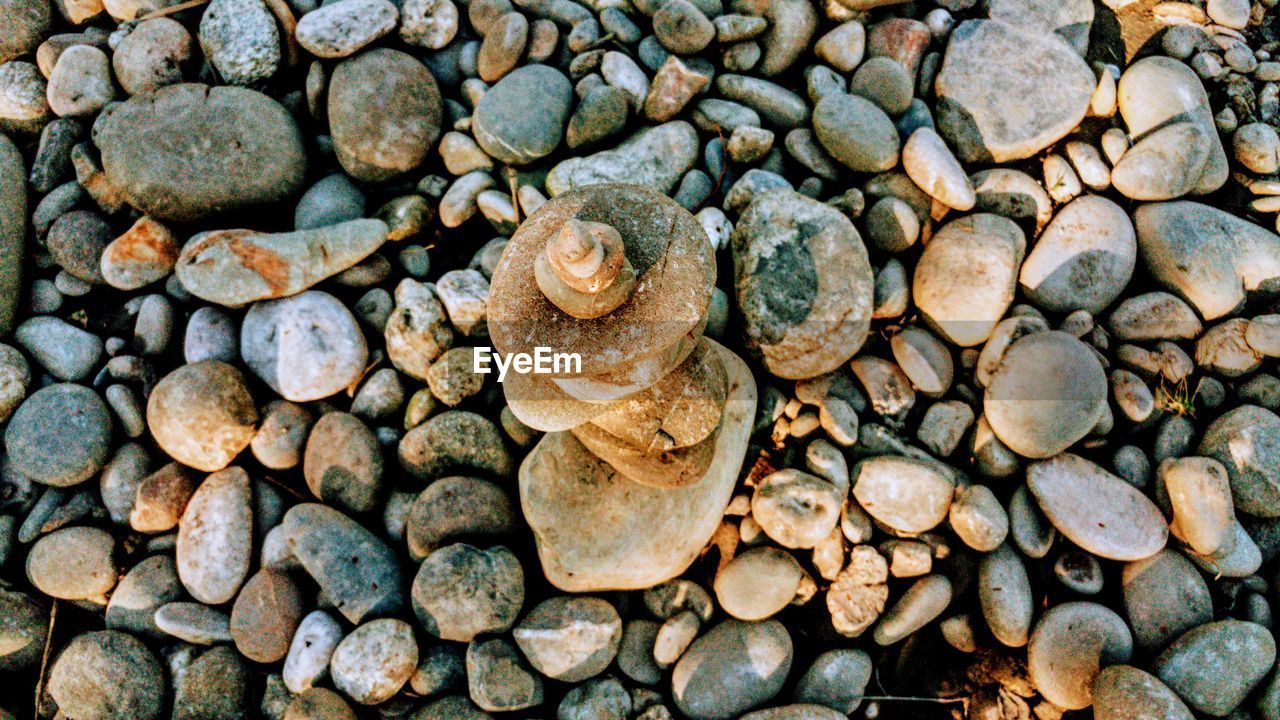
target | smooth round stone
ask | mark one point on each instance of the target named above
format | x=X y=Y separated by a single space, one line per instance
x=1079 y=572
x=1083 y=260
x=1123 y=692
x=1166 y=163
x=856 y=132
x=931 y=166
x=682 y=28
x=60 y=435
x=570 y=638
x=23 y=627
x=977 y=517
x=202 y=414
x=1096 y=510
x=758 y=584
x=992 y=108
x=1214 y=667
x=80 y=83
x=215 y=537
x=309 y=651
x=885 y=82
x=522 y=118
x=635 y=652
x=152 y=56
x=502 y=47
x=820 y=318
x=211 y=334
x=795 y=509
x=1071 y=643
x=964 y=280
x=77 y=241
x=306 y=347
x=1164 y=596
x=187 y=152
x=149 y=585
x=372 y=663
x=454 y=507
x=384 y=111
x=74 y=563
x=265 y=615
x=1257 y=147
x=107 y=675
x=1246 y=440
x=282 y=435
x=461 y=591
x=340 y=29
x=431 y=24
x=1208 y=257
x=318 y=704
x=1004 y=593
x=908 y=495
x=354 y=568
x=240 y=39
x=892 y=225
x=343 y=463
x=732 y=668
x=1048 y=392
x=24 y=104
x=332 y=200
x=144 y=254
x=25 y=24
x=837 y=679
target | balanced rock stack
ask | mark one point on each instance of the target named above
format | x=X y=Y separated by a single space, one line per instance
x=650 y=428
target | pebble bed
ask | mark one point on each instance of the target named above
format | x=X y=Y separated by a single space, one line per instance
x=1003 y=275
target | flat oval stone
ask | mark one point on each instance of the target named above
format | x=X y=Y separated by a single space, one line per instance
x=1048 y=392
x=820 y=317
x=523 y=117
x=202 y=414
x=150 y=584
x=372 y=663
x=306 y=347
x=354 y=568
x=384 y=112
x=1208 y=257
x=1004 y=593
x=187 y=152
x=1123 y=692
x=856 y=132
x=908 y=495
x=1083 y=260
x=454 y=507
x=570 y=638
x=60 y=435
x=1246 y=440
x=107 y=675
x=74 y=563
x=653 y=157
x=1071 y=643
x=1006 y=93
x=1214 y=667
x=1164 y=596
x=215 y=537
x=455 y=441
x=965 y=278
x=758 y=584
x=237 y=267
x=309 y=651
x=1097 y=510
x=732 y=668
x=339 y=29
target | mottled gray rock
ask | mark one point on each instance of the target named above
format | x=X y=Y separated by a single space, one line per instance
x=215 y=537
x=240 y=39
x=1071 y=643
x=306 y=347
x=354 y=568
x=375 y=660
x=107 y=675
x=1164 y=596
x=654 y=158
x=60 y=435
x=522 y=118
x=1246 y=442
x=1214 y=667
x=570 y=638
x=340 y=29
x=384 y=111
x=1123 y=692
x=734 y=667
x=1097 y=510
x=1084 y=258
x=62 y=349
x=461 y=591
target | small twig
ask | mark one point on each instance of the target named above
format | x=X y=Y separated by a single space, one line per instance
x=599 y=42
x=513 y=188
x=909 y=698
x=162 y=12
x=44 y=659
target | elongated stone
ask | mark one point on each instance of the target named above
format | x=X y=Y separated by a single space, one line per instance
x=237 y=267
x=1097 y=510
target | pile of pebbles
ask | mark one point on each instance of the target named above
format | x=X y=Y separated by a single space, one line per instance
x=1003 y=273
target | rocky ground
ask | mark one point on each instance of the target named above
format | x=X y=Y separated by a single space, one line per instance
x=1003 y=274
